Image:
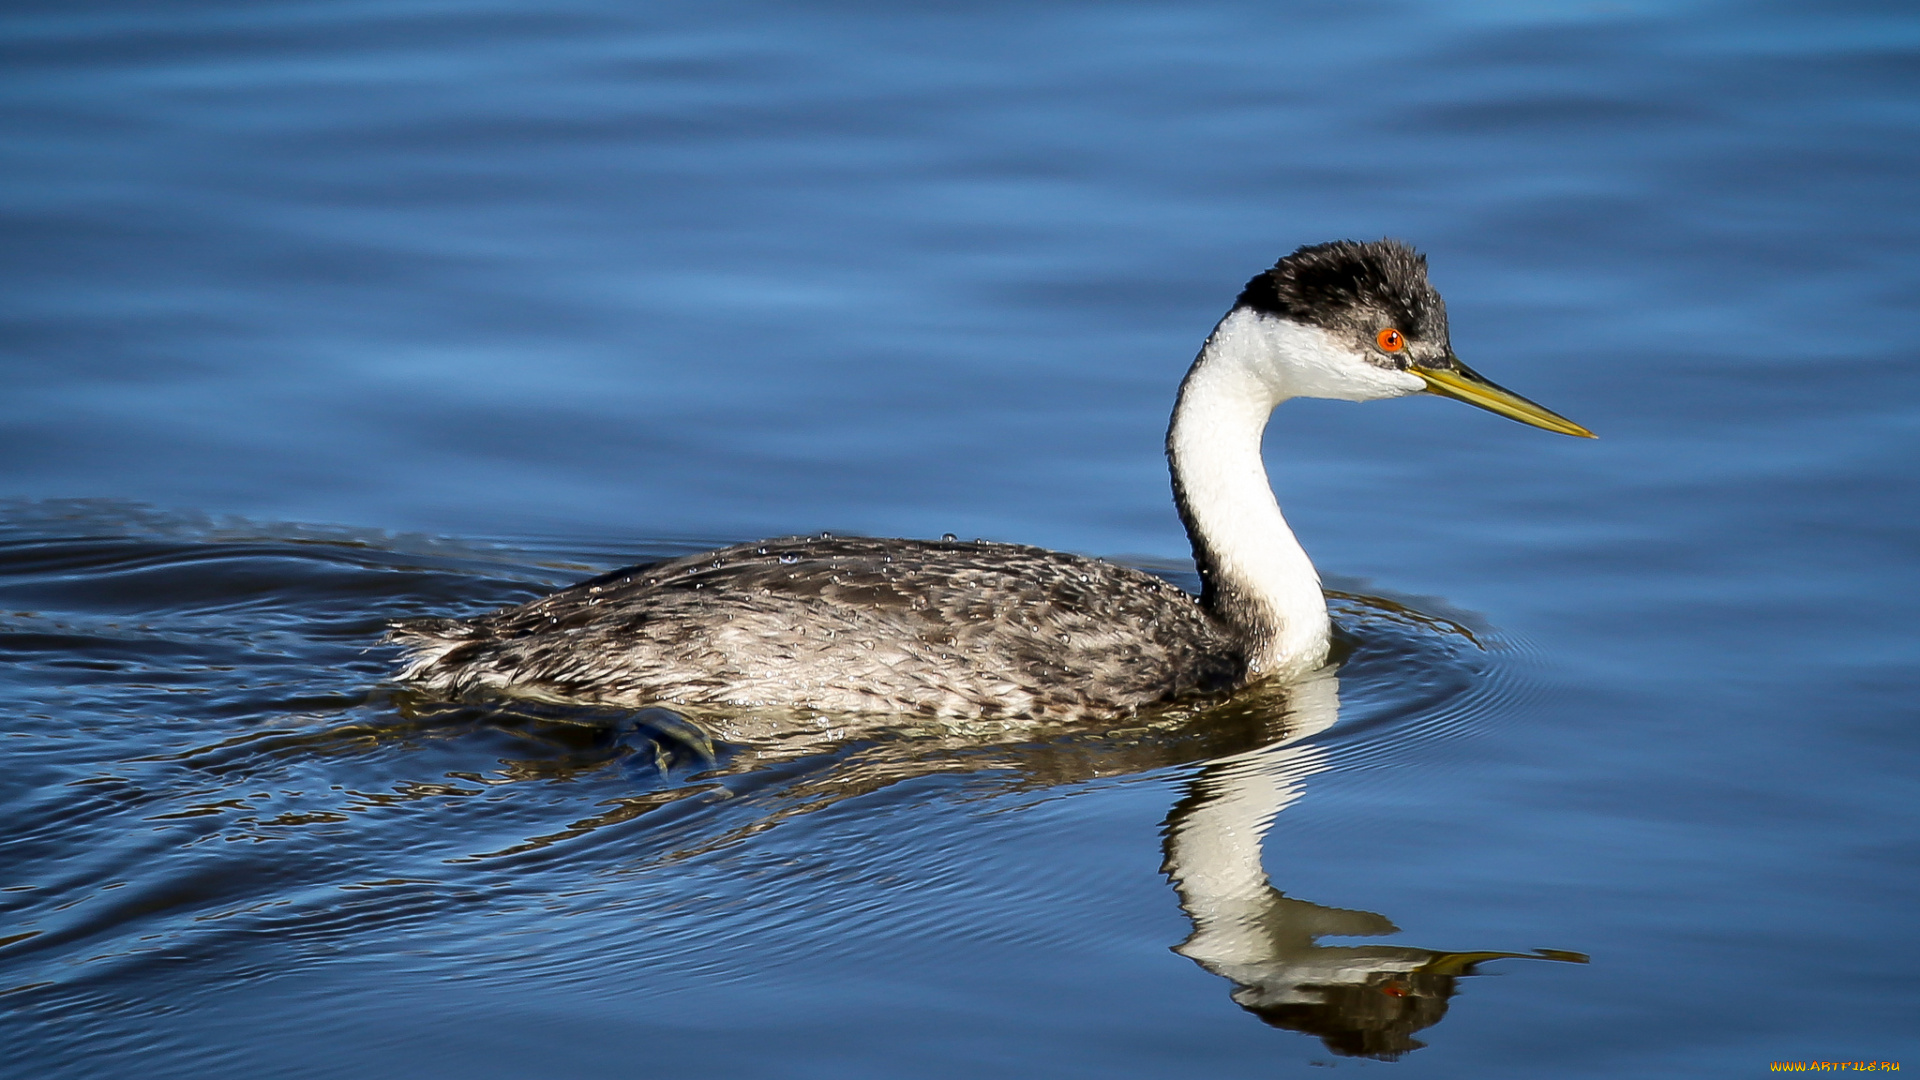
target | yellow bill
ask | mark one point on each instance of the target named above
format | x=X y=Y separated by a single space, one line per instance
x=1462 y=383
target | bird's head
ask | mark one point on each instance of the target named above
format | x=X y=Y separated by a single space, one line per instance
x=1359 y=321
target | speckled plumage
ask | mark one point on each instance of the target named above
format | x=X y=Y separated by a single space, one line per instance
x=932 y=628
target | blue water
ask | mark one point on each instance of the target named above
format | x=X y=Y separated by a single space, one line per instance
x=317 y=315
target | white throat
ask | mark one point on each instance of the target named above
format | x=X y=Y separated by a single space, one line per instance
x=1259 y=580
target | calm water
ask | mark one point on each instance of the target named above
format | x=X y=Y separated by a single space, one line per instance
x=320 y=315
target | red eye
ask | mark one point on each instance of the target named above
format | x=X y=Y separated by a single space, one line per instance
x=1391 y=340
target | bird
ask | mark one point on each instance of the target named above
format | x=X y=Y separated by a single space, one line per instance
x=958 y=630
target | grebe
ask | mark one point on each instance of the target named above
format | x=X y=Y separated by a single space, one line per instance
x=959 y=630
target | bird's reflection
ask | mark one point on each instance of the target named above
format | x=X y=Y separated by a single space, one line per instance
x=1254 y=753
x=1362 y=1001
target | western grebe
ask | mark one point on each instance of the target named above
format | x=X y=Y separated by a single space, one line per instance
x=955 y=629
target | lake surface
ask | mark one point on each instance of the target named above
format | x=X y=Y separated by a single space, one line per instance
x=316 y=316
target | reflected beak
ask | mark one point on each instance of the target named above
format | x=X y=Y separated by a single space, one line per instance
x=1462 y=383
x=1457 y=963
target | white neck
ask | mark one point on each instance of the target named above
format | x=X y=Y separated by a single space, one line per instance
x=1259 y=582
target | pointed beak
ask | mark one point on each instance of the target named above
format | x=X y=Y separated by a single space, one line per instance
x=1462 y=383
